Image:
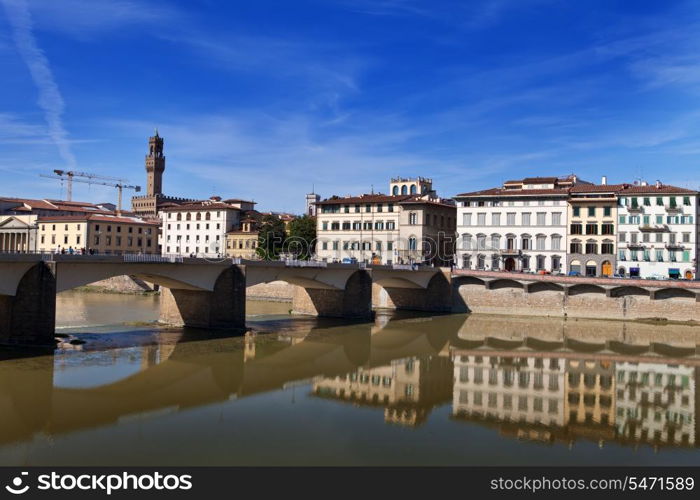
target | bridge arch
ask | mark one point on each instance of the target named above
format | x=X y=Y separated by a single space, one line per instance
x=668 y=293
x=505 y=283
x=627 y=290
x=544 y=286
x=585 y=288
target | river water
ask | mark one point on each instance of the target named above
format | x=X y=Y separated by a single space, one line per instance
x=405 y=389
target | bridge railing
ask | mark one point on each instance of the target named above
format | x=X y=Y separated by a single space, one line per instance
x=152 y=258
x=304 y=263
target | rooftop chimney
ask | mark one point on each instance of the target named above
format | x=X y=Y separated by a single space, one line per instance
x=604 y=180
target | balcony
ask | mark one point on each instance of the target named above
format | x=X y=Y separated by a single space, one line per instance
x=637 y=244
x=653 y=228
x=674 y=209
x=675 y=246
x=635 y=209
x=509 y=251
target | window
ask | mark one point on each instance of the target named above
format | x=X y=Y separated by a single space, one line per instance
x=510 y=218
x=575 y=247
x=576 y=228
x=607 y=228
x=576 y=211
x=324 y=226
x=481 y=219
x=467 y=219
x=686 y=200
x=526 y=243
x=556 y=219
x=390 y=207
x=607 y=211
x=591 y=211
x=621 y=219
x=591 y=247
x=496 y=219
x=540 y=242
x=607 y=248
x=380 y=207
x=591 y=228
x=526 y=218
x=556 y=242
x=660 y=201
x=647 y=202
x=412 y=218
x=541 y=218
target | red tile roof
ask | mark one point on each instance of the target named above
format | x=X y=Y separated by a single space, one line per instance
x=365 y=198
x=516 y=192
x=97 y=218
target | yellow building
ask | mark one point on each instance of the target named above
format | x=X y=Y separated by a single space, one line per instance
x=591 y=234
x=96 y=233
x=243 y=242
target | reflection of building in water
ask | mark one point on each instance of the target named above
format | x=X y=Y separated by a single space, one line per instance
x=407 y=388
x=590 y=397
x=516 y=389
x=656 y=403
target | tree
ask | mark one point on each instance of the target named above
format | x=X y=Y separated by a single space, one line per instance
x=271 y=236
x=302 y=237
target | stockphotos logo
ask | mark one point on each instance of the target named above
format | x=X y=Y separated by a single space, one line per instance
x=18 y=487
x=107 y=483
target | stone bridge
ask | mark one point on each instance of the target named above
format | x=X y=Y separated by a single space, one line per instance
x=205 y=294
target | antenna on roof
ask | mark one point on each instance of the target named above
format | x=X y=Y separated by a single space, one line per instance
x=372 y=188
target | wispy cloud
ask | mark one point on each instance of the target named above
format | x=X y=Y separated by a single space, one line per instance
x=50 y=99
x=84 y=19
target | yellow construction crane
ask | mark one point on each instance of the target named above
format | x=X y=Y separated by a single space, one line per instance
x=68 y=176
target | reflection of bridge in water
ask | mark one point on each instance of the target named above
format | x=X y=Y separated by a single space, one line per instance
x=542 y=379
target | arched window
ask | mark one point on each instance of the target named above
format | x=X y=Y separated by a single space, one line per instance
x=495 y=241
x=179 y=216
x=188 y=216
x=412 y=243
x=413 y=189
x=480 y=261
x=207 y=216
x=526 y=242
x=395 y=191
x=404 y=189
x=199 y=215
x=556 y=242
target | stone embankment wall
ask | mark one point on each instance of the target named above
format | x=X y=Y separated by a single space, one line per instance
x=611 y=299
x=275 y=291
x=120 y=284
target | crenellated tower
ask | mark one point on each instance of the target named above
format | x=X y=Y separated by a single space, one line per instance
x=155 y=165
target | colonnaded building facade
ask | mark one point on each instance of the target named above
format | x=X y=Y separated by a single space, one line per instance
x=411 y=225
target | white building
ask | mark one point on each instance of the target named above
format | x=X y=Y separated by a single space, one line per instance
x=520 y=226
x=657 y=231
x=413 y=227
x=199 y=228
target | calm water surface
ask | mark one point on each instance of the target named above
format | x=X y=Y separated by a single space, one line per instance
x=404 y=389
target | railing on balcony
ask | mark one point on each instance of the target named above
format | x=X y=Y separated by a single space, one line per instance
x=653 y=228
x=633 y=209
x=674 y=208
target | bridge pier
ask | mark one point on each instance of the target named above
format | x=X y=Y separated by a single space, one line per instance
x=222 y=308
x=354 y=302
x=29 y=316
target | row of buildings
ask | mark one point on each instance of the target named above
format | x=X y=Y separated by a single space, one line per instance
x=157 y=223
x=538 y=224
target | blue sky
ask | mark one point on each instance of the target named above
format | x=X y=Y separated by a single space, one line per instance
x=264 y=99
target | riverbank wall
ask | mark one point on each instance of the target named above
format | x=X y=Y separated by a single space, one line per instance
x=609 y=299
